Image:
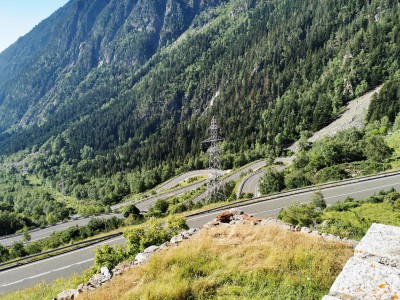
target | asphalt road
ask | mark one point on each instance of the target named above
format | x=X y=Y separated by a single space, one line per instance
x=145 y=204
x=46 y=232
x=235 y=176
x=251 y=184
x=50 y=269
x=271 y=207
x=74 y=262
x=175 y=181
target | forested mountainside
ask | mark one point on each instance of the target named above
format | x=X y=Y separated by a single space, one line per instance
x=126 y=89
x=52 y=64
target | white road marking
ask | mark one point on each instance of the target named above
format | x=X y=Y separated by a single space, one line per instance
x=45 y=273
x=356 y=192
x=61 y=255
x=304 y=193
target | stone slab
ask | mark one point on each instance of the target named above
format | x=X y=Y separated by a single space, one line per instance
x=367 y=279
x=382 y=244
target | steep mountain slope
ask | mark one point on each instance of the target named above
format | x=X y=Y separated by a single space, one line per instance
x=111 y=87
x=45 y=67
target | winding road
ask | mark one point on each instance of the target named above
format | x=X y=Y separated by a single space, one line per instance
x=250 y=183
x=38 y=234
x=46 y=232
x=267 y=206
x=180 y=178
x=235 y=176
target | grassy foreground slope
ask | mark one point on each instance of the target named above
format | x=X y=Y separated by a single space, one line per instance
x=240 y=262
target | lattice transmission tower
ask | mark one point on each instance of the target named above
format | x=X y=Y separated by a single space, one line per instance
x=215 y=187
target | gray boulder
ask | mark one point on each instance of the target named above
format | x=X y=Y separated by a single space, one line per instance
x=68 y=295
x=163 y=246
x=192 y=231
x=236 y=211
x=105 y=272
x=150 y=249
x=141 y=258
x=96 y=280
x=176 y=239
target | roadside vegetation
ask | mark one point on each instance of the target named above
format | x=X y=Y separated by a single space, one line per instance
x=244 y=262
x=234 y=263
x=45 y=291
x=348 y=154
x=349 y=218
x=57 y=239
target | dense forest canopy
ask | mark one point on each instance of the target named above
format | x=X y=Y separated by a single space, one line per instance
x=116 y=96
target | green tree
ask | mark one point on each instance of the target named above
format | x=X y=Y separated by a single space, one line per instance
x=272 y=181
x=375 y=148
x=130 y=210
x=158 y=209
x=25 y=235
x=318 y=201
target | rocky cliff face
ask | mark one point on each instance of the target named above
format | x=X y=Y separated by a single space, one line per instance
x=45 y=68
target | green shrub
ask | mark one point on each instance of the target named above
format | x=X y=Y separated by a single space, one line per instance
x=130 y=210
x=154 y=232
x=333 y=173
x=318 y=201
x=346 y=205
x=109 y=256
x=300 y=214
x=296 y=180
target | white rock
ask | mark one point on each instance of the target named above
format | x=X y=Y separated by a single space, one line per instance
x=163 y=246
x=368 y=280
x=382 y=244
x=176 y=239
x=105 y=272
x=305 y=229
x=68 y=295
x=236 y=211
x=150 y=249
x=141 y=258
x=95 y=280
x=80 y=288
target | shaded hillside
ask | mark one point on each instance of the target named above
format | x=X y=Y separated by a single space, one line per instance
x=131 y=88
x=45 y=68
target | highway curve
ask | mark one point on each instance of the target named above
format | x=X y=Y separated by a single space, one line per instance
x=74 y=262
x=235 y=176
x=251 y=184
x=180 y=178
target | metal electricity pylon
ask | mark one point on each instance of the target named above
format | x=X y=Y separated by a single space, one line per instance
x=215 y=187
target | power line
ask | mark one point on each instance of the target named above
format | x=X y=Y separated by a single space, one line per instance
x=215 y=188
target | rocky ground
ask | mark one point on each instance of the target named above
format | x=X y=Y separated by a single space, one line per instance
x=233 y=217
x=353 y=117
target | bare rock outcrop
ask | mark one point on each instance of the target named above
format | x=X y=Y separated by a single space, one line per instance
x=374 y=270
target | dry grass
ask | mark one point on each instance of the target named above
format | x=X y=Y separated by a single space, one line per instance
x=241 y=262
